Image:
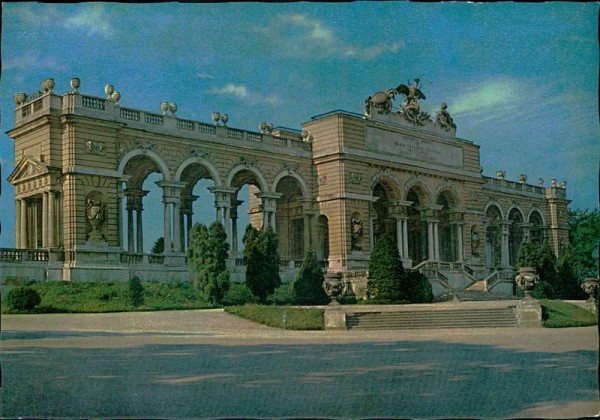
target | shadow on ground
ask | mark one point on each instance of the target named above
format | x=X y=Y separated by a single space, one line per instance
x=400 y=379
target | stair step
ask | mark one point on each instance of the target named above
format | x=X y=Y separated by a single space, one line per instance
x=443 y=318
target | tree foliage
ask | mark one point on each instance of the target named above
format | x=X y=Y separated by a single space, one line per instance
x=159 y=246
x=584 y=237
x=308 y=285
x=262 y=261
x=23 y=298
x=136 y=291
x=386 y=272
x=207 y=255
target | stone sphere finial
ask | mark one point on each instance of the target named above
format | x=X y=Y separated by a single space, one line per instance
x=115 y=97
x=540 y=182
x=563 y=185
x=522 y=178
x=500 y=174
x=269 y=127
x=216 y=116
x=262 y=127
x=304 y=134
x=75 y=83
x=224 y=118
x=109 y=89
x=554 y=182
x=164 y=106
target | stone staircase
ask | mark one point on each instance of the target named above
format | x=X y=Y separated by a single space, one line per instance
x=434 y=318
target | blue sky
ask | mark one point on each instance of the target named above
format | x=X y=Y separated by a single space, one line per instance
x=521 y=80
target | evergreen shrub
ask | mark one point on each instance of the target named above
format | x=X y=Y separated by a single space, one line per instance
x=23 y=299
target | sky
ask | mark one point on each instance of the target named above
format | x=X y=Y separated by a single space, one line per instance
x=520 y=80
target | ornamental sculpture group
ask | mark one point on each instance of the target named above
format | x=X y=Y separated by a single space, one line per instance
x=410 y=110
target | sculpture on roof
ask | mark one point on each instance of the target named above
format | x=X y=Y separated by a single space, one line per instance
x=410 y=108
x=381 y=101
x=443 y=118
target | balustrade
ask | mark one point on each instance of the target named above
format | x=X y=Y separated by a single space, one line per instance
x=130 y=114
x=94 y=103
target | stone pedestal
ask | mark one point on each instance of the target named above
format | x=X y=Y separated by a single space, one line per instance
x=590 y=305
x=335 y=317
x=529 y=313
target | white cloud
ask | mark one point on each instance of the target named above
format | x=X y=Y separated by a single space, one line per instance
x=491 y=95
x=301 y=35
x=30 y=61
x=91 y=18
x=242 y=92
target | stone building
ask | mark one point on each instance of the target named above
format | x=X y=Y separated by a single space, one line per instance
x=335 y=186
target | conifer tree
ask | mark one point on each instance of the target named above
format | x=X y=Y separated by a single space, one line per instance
x=207 y=256
x=308 y=285
x=262 y=261
x=385 y=272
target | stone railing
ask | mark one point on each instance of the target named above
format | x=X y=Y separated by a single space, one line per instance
x=44 y=103
x=11 y=255
x=514 y=186
x=127 y=258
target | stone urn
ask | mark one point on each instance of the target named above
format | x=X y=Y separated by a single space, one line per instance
x=75 y=84
x=109 y=89
x=333 y=286
x=20 y=98
x=164 y=107
x=48 y=85
x=590 y=287
x=526 y=280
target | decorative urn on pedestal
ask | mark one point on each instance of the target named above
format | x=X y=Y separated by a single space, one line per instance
x=334 y=317
x=75 y=84
x=526 y=280
x=590 y=287
x=332 y=285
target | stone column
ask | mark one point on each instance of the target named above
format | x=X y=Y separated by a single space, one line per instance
x=436 y=241
x=400 y=237
x=130 y=244
x=371 y=233
x=24 y=223
x=167 y=226
x=51 y=219
x=504 y=257
x=459 y=242
x=234 y=228
x=176 y=225
x=182 y=230
x=44 y=220
x=18 y=223
x=430 y=247
x=405 y=238
x=139 y=229
x=189 y=226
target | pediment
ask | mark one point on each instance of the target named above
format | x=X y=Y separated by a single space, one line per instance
x=27 y=168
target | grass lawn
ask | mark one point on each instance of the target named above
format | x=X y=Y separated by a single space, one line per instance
x=297 y=318
x=559 y=314
x=80 y=297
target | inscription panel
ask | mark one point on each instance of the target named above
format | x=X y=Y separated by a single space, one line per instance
x=413 y=148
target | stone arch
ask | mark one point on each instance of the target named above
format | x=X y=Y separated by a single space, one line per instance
x=296 y=176
x=515 y=232
x=420 y=188
x=417 y=233
x=493 y=235
x=214 y=173
x=451 y=194
x=537 y=229
x=260 y=178
x=495 y=204
x=448 y=242
x=158 y=160
x=389 y=182
x=292 y=231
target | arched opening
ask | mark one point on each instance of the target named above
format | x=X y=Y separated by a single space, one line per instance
x=248 y=205
x=197 y=203
x=515 y=235
x=537 y=229
x=417 y=228
x=322 y=238
x=289 y=219
x=493 y=237
x=383 y=223
x=446 y=233
x=142 y=209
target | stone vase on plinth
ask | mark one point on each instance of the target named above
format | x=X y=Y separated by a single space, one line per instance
x=334 y=317
x=528 y=310
x=590 y=287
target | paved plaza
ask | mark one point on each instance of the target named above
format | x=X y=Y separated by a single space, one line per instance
x=198 y=364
